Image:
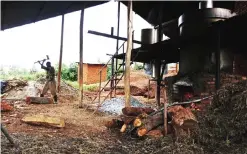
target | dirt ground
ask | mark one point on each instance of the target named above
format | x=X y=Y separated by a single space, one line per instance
x=84 y=132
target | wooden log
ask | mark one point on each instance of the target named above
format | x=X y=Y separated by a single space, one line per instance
x=156 y=133
x=150 y=122
x=137 y=122
x=114 y=123
x=39 y=100
x=123 y=129
x=181 y=119
x=135 y=111
x=127 y=119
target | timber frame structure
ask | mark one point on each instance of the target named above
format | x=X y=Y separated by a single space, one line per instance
x=161 y=14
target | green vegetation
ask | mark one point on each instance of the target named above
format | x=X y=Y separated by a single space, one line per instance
x=68 y=72
x=91 y=87
x=20 y=74
x=138 y=66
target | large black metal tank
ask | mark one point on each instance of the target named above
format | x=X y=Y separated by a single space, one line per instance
x=197 y=56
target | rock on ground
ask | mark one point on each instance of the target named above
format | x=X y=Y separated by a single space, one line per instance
x=114 y=106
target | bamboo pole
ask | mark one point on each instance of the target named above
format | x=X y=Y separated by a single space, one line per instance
x=81 y=60
x=60 y=57
x=128 y=56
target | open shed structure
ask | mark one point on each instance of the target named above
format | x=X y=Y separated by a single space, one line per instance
x=197 y=31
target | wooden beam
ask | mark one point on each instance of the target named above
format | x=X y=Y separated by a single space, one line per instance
x=81 y=60
x=165 y=112
x=128 y=56
x=158 y=80
x=60 y=57
x=118 y=25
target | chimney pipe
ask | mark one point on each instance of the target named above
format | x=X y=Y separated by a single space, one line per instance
x=206 y=4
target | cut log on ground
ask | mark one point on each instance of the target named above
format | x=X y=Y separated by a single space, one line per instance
x=127 y=119
x=135 y=111
x=183 y=120
x=44 y=121
x=39 y=100
x=150 y=122
x=156 y=133
x=123 y=129
x=114 y=123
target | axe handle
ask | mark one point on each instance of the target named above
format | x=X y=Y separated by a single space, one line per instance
x=5 y=132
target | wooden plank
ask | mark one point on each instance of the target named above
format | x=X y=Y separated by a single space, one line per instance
x=44 y=121
x=81 y=60
x=128 y=56
x=60 y=57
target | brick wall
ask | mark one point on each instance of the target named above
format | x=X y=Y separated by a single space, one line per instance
x=91 y=73
x=209 y=81
x=240 y=7
x=204 y=84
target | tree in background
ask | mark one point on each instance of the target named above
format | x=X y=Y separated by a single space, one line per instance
x=68 y=72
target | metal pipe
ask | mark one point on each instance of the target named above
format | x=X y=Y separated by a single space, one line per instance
x=60 y=57
x=112 y=30
x=81 y=59
x=111 y=36
x=206 y=4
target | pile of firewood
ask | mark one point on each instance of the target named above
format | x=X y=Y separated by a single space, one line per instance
x=140 y=122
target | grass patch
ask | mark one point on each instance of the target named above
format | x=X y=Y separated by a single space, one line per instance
x=91 y=87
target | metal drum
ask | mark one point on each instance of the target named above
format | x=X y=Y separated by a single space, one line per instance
x=197 y=56
x=195 y=22
x=149 y=36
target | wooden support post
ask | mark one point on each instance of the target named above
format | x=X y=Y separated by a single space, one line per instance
x=128 y=57
x=100 y=85
x=81 y=60
x=158 y=61
x=148 y=89
x=60 y=57
x=165 y=112
x=157 y=76
x=217 y=60
x=118 y=25
x=112 y=77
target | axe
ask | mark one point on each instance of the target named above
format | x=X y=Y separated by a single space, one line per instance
x=47 y=58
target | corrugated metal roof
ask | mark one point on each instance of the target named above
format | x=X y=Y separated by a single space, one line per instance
x=18 y=13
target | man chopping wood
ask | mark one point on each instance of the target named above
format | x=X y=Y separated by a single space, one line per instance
x=50 y=80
